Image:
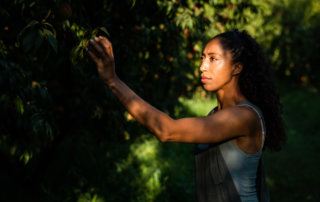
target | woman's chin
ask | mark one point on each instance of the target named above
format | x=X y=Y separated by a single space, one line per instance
x=207 y=87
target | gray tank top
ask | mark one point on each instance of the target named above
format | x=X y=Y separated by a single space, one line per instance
x=243 y=166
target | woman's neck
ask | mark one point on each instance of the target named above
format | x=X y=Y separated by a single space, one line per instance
x=229 y=97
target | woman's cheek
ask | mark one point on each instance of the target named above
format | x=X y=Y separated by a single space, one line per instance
x=219 y=65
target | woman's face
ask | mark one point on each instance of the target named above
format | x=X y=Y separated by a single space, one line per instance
x=216 y=67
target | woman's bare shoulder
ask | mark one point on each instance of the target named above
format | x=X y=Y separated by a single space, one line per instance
x=243 y=116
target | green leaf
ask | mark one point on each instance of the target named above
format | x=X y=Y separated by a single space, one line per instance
x=43 y=93
x=32 y=40
x=51 y=27
x=31 y=24
x=133 y=3
x=48 y=128
x=52 y=41
x=19 y=105
x=47 y=32
x=38 y=40
x=28 y=40
x=104 y=30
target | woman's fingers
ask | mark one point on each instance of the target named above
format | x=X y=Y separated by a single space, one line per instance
x=101 y=53
x=101 y=50
x=104 y=40
x=97 y=47
x=106 y=44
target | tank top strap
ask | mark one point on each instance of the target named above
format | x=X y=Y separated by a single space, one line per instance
x=260 y=115
x=213 y=111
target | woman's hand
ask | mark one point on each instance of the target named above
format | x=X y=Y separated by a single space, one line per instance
x=101 y=53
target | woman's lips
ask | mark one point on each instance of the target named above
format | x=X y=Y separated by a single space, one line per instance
x=205 y=79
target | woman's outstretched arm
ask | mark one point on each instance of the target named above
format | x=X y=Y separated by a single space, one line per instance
x=223 y=125
x=102 y=54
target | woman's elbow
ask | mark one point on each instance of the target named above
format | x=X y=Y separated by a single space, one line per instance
x=163 y=137
x=169 y=137
x=165 y=134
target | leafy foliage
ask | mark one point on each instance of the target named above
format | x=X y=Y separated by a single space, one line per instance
x=64 y=137
x=297 y=45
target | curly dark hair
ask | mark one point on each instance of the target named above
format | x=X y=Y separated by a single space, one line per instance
x=256 y=82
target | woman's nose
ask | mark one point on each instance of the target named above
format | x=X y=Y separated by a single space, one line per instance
x=201 y=68
x=204 y=66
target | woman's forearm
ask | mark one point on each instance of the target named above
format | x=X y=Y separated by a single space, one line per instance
x=156 y=121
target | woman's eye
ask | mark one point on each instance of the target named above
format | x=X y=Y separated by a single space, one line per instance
x=212 y=59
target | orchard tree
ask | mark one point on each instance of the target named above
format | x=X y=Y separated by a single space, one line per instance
x=63 y=135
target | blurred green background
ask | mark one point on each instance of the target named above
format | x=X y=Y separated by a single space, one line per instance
x=64 y=136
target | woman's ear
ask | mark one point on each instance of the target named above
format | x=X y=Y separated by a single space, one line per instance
x=237 y=68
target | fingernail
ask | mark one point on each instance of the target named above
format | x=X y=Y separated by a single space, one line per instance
x=91 y=40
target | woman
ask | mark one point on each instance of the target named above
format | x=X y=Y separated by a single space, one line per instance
x=231 y=138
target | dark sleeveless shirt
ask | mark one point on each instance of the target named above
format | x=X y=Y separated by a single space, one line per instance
x=213 y=179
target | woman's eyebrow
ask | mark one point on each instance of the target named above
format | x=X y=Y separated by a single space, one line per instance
x=214 y=54
x=211 y=54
